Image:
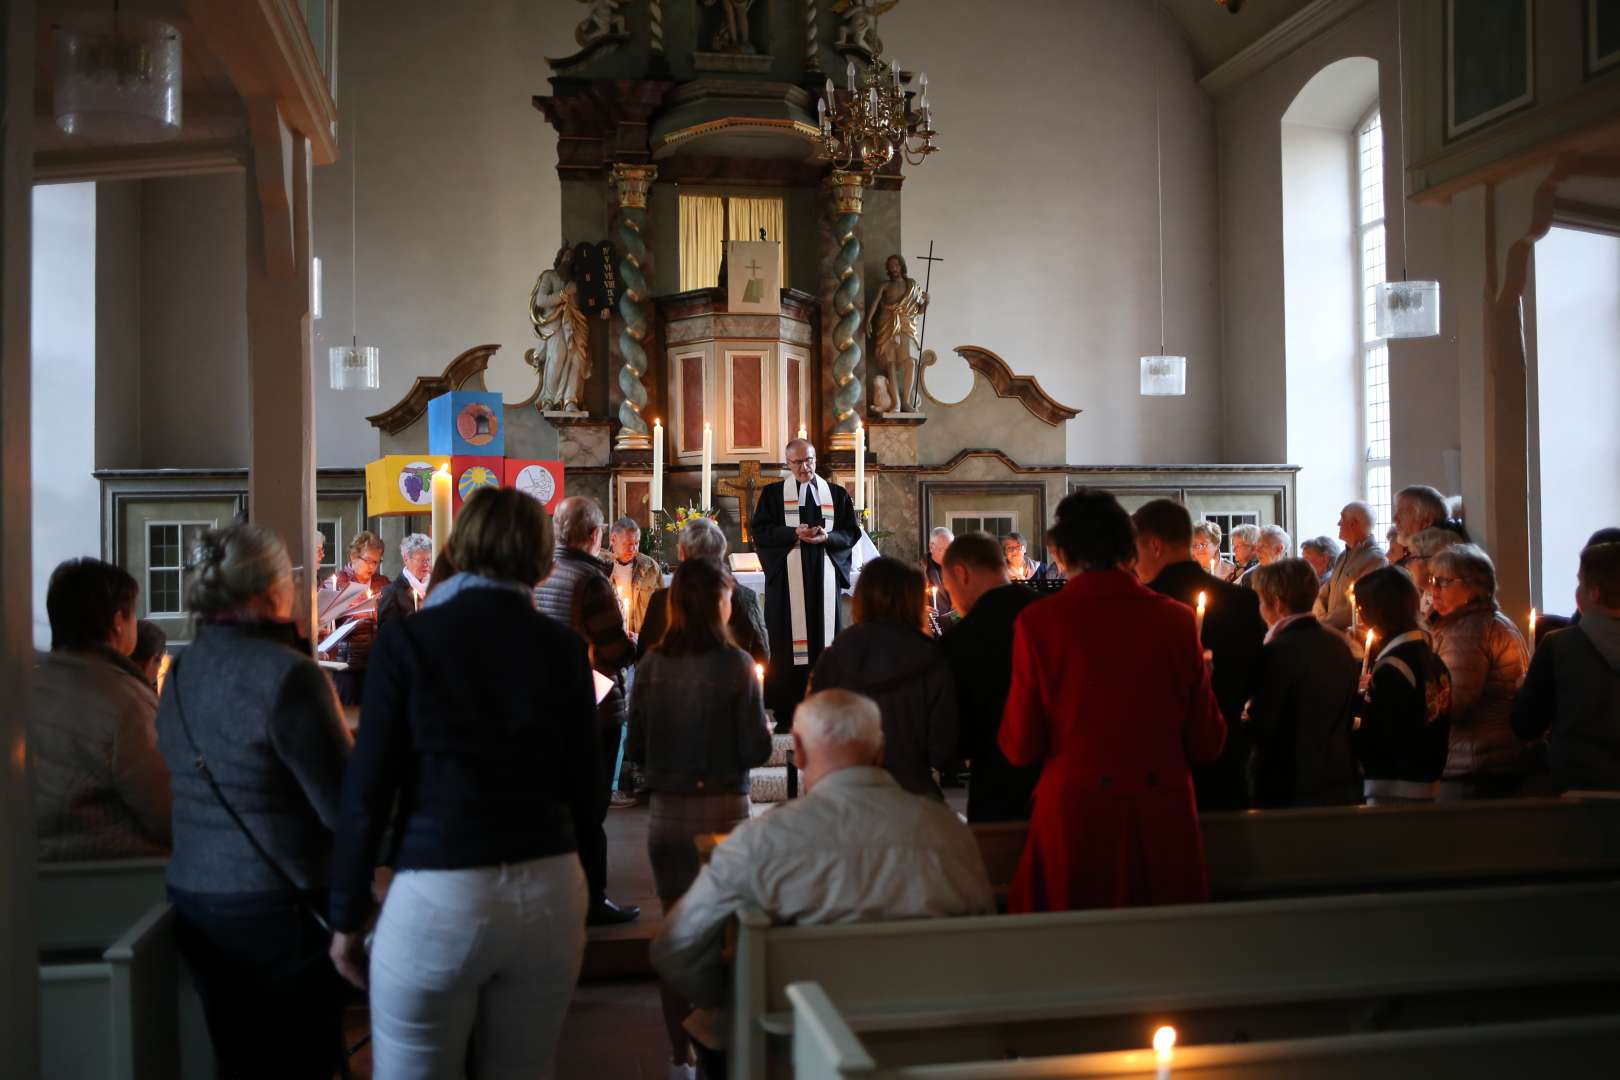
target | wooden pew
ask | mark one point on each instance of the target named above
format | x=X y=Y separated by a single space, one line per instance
x=86 y=906
x=826 y=1048
x=957 y=985
x=1277 y=853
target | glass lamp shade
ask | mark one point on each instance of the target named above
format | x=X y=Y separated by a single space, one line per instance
x=117 y=78
x=1164 y=376
x=1408 y=309
x=356 y=367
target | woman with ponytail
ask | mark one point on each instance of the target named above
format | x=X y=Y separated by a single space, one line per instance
x=255 y=742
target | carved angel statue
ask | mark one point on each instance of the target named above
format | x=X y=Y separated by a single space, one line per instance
x=733 y=34
x=603 y=20
x=895 y=316
x=859 y=29
x=564 y=356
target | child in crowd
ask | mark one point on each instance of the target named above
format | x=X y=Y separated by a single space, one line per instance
x=1404 y=729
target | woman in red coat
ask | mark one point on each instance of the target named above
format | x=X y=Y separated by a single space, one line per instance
x=1110 y=693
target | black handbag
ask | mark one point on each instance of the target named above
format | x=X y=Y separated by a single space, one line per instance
x=201 y=765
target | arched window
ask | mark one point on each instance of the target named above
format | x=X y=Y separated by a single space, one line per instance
x=1374 y=352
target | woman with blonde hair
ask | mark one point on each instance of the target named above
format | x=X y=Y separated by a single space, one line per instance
x=365 y=556
x=1486 y=657
x=484 y=774
x=1206 y=550
x=889 y=656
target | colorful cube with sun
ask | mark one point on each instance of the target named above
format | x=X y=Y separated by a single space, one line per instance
x=467 y=423
x=468 y=474
x=401 y=484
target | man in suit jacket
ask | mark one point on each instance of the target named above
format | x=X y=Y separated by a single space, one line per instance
x=1233 y=633
x=1361 y=555
x=1304 y=706
x=978 y=649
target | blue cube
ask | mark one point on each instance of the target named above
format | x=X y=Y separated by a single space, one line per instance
x=467 y=423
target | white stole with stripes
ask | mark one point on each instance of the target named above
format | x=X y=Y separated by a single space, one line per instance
x=791 y=495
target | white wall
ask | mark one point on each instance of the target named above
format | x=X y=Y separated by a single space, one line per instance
x=1042 y=202
x=1577 y=301
x=66 y=512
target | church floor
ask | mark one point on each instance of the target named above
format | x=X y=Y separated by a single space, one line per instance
x=614 y=1029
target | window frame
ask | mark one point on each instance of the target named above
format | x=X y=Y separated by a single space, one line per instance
x=147 y=592
x=1373 y=350
x=955 y=519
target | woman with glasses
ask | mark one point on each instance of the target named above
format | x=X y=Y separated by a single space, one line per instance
x=1206 y=549
x=1486 y=657
x=365 y=555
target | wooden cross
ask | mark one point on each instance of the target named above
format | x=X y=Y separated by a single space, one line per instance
x=928 y=278
x=745 y=489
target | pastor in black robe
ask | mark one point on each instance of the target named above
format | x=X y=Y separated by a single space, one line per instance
x=773 y=540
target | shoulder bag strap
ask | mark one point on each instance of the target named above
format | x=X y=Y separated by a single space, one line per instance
x=201 y=765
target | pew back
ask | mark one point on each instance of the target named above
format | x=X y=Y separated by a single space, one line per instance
x=1275 y=853
x=88 y=905
x=952 y=973
x=826 y=1048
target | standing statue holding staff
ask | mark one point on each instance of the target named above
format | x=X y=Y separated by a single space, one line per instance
x=895 y=317
x=564 y=358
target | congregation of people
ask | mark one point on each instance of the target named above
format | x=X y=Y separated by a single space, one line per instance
x=446 y=849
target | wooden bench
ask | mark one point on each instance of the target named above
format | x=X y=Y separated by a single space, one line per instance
x=1278 y=853
x=86 y=906
x=826 y=1048
x=1249 y=968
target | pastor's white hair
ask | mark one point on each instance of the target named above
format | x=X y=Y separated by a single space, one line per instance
x=839 y=717
x=414 y=543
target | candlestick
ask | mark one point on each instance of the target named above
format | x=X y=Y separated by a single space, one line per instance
x=441 y=509
x=655 y=499
x=1366 y=654
x=1164 y=1047
x=708 y=464
x=860 y=467
x=1199 y=612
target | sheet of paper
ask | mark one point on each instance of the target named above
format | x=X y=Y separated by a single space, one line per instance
x=335 y=603
x=331 y=640
x=603 y=685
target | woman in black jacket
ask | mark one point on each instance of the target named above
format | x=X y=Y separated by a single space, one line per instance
x=889 y=656
x=697 y=726
x=478 y=722
x=1405 y=730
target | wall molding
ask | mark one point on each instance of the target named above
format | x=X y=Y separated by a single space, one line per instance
x=1025 y=389
x=1283 y=39
x=427 y=387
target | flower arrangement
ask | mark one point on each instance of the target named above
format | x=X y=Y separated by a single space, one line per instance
x=673 y=522
x=875 y=534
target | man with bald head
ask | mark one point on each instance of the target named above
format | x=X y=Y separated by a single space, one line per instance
x=804 y=529
x=1361 y=555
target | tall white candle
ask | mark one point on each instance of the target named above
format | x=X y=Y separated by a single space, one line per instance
x=441 y=508
x=708 y=464
x=860 y=467
x=655 y=499
x=1199 y=613
x=1366 y=654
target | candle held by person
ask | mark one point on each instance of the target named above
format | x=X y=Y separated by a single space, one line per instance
x=441 y=508
x=1355 y=616
x=1164 y=1048
x=860 y=467
x=708 y=465
x=1532 y=641
x=655 y=498
x=759 y=673
x=1366 y=654
x=1203 y=601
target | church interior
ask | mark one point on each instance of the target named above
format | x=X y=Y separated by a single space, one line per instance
x=295 y=263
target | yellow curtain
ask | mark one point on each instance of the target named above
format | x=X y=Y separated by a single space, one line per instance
x=702 y=229
x=749 y=215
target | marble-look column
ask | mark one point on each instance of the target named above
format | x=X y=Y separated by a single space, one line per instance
x=281 y=373
x=19 y=945
x=635 y=302
x=842 y=298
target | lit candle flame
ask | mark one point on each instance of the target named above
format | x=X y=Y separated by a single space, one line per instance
x=1202 y=600
x=1164 y=1041
x=1532 y=624
x=759 y=673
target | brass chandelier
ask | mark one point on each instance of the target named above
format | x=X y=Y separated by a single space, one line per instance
x=863 y=126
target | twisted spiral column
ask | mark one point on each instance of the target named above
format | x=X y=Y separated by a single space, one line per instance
x=812 y=47
x=845 y=188
x=656 y=27
x=632 y=182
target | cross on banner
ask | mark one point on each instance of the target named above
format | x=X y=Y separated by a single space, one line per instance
x=753 y=268
x=928 y=278
x=745 y=489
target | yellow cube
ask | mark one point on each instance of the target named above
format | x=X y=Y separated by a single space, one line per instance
x=401 y=484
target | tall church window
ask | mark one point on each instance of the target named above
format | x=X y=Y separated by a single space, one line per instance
x=168 y=548
x=708 y=220
x=1374 y=351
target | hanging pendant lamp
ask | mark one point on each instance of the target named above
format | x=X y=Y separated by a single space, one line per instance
x=1405 y=309
x=1163 y=375
x=117 y=78
x=354 y=366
